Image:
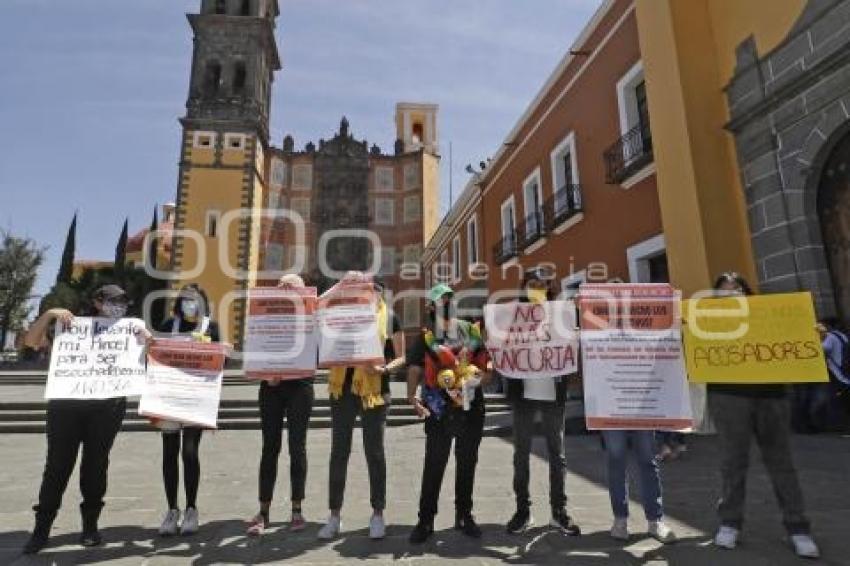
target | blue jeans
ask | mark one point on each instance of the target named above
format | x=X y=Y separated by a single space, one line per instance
x=643 y=442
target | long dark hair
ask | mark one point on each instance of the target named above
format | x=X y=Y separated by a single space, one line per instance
x=734 y=278
x=201 y=296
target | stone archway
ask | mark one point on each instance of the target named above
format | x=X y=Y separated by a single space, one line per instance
x=833 y=206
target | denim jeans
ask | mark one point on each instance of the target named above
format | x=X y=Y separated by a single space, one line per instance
x=643 y=442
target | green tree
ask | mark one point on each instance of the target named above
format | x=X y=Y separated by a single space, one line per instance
x=121 y=252
x=20 y=259
x=66 y=267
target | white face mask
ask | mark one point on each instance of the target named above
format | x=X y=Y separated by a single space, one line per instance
x=114 y=310
x=189 y=308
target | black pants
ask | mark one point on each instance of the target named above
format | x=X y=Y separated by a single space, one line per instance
x=171 y=444
x=292 y=400
x=552 y=415
x=344 y=413
x=465 y=428
x=71 y=423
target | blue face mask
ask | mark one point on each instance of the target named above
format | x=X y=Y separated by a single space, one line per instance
x=113 y=310
x=189 y=308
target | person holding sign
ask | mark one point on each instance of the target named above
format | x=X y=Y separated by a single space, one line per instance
x=363 y=390
x=92 y=423
x=744 y=410
x=449 y=360
x=547 y=396
x=290 y=398
x=189 y=321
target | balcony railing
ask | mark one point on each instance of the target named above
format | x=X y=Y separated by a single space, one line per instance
x=531 y=229
x=563 y=205
x=505 y=249
x=628 y=155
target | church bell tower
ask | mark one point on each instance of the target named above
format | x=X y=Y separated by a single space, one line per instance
x=222 y=158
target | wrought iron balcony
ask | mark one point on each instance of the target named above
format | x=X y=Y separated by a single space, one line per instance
x=563 y=205
x=628 y=155
x=531 y=229
x=505 y=249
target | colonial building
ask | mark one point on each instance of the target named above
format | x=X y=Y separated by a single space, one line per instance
x=572 y=185
x=233 y=229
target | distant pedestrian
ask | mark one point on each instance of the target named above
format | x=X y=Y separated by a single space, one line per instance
x=741 y=411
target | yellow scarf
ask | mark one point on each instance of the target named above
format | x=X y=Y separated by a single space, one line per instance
x=366 y=383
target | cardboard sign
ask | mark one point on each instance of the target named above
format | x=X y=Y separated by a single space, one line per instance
x=184 y=382
x=758 y=339
x=97 y=358
x=280 y=333
x=633 y=366
x=348 y=326
x=528 y=340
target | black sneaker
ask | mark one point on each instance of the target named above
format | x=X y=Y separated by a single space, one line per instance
x=91 y=537
x=37 y=541
x=467 y=525
x=561 y=520
x=520 y=522
x=421 y=532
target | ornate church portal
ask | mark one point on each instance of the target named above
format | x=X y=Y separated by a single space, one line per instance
x=834 y=211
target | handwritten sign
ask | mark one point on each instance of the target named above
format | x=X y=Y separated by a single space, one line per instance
x=348 y=326
x=184 y=382
x=280 y=333
x=758 y=339
x=634 y=371
x=96 y=358
x=528 y=340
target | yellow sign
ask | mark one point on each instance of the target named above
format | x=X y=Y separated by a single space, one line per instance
x=757 y=339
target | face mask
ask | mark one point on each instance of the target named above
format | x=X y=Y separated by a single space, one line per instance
x=113 y=310
x=189 y=308
x=536 y=296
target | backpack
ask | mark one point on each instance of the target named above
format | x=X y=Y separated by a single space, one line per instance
x=845 y=354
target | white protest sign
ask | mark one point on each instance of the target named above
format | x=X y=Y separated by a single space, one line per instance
x=348 y=326
x=632 y=360
x=280 y=333
x=97 y=358
x=184 y=382
x=529 y=340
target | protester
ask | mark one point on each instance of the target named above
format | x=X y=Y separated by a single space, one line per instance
x=363 y=391
x=447 y=345
x=190 y=320
x=836 y=349
x=292 y=399
x=548 y=397
x=741 y=411
x=92 y=424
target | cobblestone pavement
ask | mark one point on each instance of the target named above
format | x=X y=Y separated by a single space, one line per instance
x=228 y=496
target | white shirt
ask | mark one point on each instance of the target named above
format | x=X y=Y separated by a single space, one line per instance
x=541 y=389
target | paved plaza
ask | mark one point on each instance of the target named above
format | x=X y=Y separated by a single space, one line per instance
x=228 y=496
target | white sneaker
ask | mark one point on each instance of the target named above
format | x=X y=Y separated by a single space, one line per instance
x=726 y=537
x=661 y=532
x=804 y=546
x=620 y=529
x=377 y=527
x=190 y=522
x=330 y=529
x=169 y=523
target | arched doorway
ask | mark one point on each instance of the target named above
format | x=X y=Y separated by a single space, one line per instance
x=834 y=212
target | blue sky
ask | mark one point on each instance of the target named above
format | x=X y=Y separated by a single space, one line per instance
x=92 y=89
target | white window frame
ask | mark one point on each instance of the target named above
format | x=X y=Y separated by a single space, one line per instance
x=418 y=177
x=384 y=269
x=385 y=204
x=212 y=215
x=567 y=145
x=626 y=101
x=196 y=141
x=510 y=201
x=527 y=209
x=304 y=166
x=410 y=218
x=383 y=170
x=456 y=259
x=472 y=244
x=304 y=207
x=440 y=275
x=638 y=257
x=278 y=164
x=241 y=138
